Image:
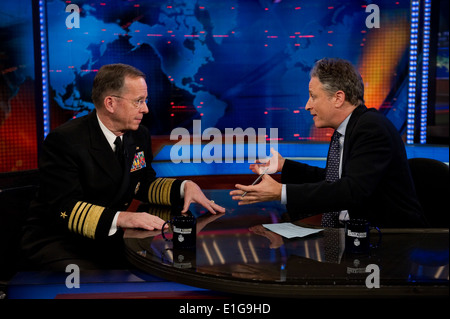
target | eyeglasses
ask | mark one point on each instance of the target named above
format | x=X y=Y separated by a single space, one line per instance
x=136 y=103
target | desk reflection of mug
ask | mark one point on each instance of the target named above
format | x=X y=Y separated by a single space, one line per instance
x=357 y=236
x=184 y=258
x=184 y=231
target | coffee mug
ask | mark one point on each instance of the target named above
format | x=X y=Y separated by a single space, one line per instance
x=184 y=231
x=357 y=236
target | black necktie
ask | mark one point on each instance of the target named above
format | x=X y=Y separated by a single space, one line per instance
x=331 y=219
x=119 y=149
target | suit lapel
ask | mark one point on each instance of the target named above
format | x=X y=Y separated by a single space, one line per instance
x=129 y=148
x=101 y=150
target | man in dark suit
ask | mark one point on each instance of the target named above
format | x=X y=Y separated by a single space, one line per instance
x=91 y=168
x=373 y=182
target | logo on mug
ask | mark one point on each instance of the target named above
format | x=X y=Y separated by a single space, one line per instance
x=357 y=236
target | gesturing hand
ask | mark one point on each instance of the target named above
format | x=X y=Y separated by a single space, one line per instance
x=193 y=194
x=274 y=164
x=267 y=190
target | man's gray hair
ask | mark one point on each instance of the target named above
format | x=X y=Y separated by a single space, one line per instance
x=340 y=75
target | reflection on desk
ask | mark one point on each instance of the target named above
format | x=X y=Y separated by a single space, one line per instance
x=236 y=254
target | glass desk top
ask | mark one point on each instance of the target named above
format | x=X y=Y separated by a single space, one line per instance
x=234 y=253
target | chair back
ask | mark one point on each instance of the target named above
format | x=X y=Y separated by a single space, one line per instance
x=431 y=180
x=17 y=189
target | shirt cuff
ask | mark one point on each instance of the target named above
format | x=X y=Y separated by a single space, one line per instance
x=343 y=216
x=182 y=189
x=113 y=228
x=283 y=194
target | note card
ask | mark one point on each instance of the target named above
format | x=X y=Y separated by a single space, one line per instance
x=290 y=230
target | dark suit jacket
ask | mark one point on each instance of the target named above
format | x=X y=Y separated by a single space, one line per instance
x=82 y=184
x=376 y=182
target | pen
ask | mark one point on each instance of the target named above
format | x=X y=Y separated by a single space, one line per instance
x=256 y=180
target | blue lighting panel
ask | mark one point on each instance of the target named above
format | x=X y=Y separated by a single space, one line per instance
x=44 y=67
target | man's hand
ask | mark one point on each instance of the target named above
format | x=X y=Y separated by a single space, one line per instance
x=140 y=220
x=267 y=190
x=274 y=164
x=276 y=241
x=193 y=194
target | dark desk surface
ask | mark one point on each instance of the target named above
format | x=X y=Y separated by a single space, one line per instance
x=236 y=254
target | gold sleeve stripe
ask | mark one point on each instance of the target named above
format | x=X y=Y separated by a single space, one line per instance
x=84 y=218
x=159 y=191
x=166 y=192
x=162 y=212
x=92 y=219
x=75 y=208
x=151 y=191
x=75 y=215
x=162 y=194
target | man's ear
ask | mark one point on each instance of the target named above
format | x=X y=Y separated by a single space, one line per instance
x=108 y=103
x=339 y=98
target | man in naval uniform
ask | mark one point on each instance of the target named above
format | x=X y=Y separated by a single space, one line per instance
x=91 y=168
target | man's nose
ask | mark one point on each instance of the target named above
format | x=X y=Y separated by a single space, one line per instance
x=308 y=105
x=145 y=109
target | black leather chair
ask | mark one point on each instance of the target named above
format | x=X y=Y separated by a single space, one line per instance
x=17 y=189
x=431 y=179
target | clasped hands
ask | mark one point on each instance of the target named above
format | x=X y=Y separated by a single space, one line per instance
x=266 y=190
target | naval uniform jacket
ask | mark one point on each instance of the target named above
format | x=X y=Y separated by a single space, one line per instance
x=83 y=185
x=375 y=183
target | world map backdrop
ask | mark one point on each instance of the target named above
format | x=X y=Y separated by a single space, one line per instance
x=229 y=63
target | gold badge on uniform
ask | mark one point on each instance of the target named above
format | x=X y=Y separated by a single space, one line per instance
x=138 y=162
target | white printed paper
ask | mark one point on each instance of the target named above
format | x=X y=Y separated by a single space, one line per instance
x=290 y=230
